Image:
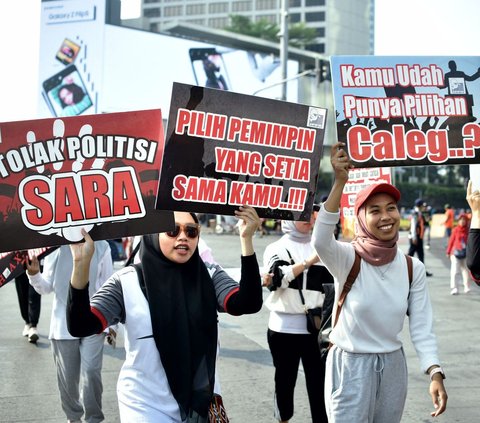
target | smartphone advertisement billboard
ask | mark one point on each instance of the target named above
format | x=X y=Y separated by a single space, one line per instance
x=71 y=51
x=137 y=78
x=91 y=67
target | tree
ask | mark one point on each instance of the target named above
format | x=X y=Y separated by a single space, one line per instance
x=299 y=34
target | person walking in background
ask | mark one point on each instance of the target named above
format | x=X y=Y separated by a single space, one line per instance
x=457 y=252
x=168 y=304
x=78 y=360
x=427 y=216
x=29 y=301
x=449 y=221
x=366 y=377
x=473 y=242
x=296 y=277
x=417 y=232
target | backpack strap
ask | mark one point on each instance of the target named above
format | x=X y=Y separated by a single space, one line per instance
x=410 y=276
x=410 y=270
x=352 y=276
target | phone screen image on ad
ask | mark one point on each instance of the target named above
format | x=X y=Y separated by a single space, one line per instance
x=209 y=68
x=66 y=93
x=67 y=52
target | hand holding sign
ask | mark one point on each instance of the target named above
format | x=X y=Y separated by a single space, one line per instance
x=82 y=254
x=249 y=222
x=33 y=266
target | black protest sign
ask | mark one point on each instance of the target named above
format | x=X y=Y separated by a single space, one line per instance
x=224 y=150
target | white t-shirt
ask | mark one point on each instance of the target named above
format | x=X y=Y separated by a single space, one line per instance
x=372 y=317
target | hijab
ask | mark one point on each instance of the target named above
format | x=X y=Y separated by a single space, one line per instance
x=291 y=231
x=182 y=303
x=462 y=230
x=370 y=248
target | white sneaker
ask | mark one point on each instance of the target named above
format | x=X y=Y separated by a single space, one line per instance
x=25 y=330
x=454 y=291
x=33 y=335
x=466 y=290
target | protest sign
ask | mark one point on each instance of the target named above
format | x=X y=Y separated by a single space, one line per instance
x=98 y=172
x=408 y=111
x=224 y=150
x=358 y=179
x=12 y=264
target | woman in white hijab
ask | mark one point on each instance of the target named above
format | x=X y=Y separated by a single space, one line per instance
x=296 y=279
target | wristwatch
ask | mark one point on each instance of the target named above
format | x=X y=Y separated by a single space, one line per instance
x=436 y=370
x=305 y=265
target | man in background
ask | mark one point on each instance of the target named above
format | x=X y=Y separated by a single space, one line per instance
x=417 y=232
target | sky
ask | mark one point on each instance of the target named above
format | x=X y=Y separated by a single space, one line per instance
x=402 y=27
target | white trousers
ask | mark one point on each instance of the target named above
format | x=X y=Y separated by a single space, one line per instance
x=459 y=268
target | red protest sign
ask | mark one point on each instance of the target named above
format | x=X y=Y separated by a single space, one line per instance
x=98 y=172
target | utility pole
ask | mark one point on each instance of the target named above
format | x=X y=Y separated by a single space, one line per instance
x=284 y=45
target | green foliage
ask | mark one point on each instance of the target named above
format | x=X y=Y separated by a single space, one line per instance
x=299 y=34
x=434 y=195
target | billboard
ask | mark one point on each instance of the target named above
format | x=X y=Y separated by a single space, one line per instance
x=71 y=51
x=138 y=78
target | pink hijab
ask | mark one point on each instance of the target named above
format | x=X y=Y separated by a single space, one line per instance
x=371 y=249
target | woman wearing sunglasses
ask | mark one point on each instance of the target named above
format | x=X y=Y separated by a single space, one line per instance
x=168 y=304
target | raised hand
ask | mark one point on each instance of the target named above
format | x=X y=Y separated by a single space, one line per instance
x=33 y=266
x=83 y=251
x=249 y=222
x=473 y=199
x=340 y=162
x=82 y=255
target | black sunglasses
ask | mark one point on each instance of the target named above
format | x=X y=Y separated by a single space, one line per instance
x=191 y=230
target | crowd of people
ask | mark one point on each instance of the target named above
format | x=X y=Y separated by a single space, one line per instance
x=174 y=289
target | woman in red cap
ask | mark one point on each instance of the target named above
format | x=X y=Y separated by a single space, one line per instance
x=366 y=371
x=457 y=252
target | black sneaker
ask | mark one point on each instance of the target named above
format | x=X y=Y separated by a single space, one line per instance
x=429 y=274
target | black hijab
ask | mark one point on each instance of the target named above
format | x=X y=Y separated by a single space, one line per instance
x=183 y=311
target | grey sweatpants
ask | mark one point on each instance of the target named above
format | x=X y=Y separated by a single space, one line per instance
x=74 y=358
x=365 y=388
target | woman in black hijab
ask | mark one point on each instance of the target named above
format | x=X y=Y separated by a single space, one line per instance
x=168 y=304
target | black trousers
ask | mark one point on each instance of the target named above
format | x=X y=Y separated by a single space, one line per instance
x=287 y=351
x=417 y=248
x=28 y=299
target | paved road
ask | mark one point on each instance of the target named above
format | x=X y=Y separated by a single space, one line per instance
x=28 y=390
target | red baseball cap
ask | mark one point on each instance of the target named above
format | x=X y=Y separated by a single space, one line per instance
x=368 y=191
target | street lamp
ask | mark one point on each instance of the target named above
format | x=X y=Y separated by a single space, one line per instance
x=284 y=45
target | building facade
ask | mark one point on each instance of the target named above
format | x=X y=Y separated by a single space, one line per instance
x=342 y=26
